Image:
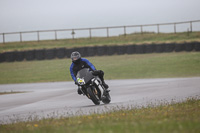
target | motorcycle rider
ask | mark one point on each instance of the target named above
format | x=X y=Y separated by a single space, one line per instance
x=79 y=63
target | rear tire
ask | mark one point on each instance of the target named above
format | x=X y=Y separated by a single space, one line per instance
x=93 y=96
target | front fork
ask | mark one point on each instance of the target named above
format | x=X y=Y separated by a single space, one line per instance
x=80 y=88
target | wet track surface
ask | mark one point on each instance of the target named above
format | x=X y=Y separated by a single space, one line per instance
x=44 y=100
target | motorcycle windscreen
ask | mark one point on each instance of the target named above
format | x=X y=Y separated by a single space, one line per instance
x=85 y=74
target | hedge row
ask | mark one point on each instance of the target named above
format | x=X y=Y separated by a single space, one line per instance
x=60 y=53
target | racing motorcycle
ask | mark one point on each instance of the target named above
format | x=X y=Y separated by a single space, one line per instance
x=92 y=87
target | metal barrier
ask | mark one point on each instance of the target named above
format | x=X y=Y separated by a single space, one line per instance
x=107 y=30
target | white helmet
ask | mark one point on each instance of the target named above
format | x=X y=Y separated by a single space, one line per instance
x=75 y=56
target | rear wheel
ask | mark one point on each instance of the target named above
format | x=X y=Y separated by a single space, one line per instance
x=93 y=97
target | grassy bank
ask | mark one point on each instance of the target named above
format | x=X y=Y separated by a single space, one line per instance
x=184 y=64
x=180 y=117
x=119 y=40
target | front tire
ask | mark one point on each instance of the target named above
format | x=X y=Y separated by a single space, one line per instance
x=107 y=98
x=90 y=91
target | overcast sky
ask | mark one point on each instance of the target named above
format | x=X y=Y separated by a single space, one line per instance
x=26 y=15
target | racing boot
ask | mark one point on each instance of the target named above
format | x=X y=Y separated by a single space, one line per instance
x=100 y=73
x=105 y=86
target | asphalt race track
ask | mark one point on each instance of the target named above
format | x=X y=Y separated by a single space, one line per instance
x=46 y=100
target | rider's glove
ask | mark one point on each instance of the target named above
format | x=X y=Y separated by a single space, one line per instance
x=95 y=72
x=76 y=82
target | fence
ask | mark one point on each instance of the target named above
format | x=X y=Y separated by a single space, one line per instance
x=88 y=32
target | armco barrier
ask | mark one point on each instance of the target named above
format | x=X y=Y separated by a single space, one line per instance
x=186 y=24
x=43 y=54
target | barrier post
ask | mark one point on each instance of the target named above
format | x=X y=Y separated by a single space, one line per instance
x=73 y=33
x=188 y=32
x=190 y=26
x=38 y=35
x=55 y=35
x=20 y=36
x=107 y=32
x=90 y=32
x=158 y=28
x=3 y=38
x=175 y=28
x=124 y=30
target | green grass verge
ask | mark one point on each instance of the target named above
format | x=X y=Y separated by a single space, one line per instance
x=11 y=92
x=164 y=65
x=115 y=40
x=180 y=117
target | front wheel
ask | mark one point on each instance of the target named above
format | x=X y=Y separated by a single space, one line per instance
x=106 y=98
x=91 y=92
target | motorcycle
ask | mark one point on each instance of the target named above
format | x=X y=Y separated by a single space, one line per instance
x=92 y=87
